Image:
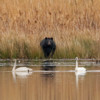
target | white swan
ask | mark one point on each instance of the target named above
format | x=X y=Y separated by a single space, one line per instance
x=21 y=69
x=79 y=70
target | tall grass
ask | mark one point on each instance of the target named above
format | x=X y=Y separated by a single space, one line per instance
x=74 y=25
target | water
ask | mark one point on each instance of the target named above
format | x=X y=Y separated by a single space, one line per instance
x=53 y=83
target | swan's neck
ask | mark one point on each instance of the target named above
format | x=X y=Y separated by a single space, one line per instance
x=14 y=66
x=76 y=63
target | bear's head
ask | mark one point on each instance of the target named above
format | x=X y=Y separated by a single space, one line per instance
x=48 y=41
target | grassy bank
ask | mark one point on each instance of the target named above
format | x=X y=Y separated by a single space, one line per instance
x=74 y=25
x=69 y=45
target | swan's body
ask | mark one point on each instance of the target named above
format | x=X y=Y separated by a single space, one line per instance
x=21 y=69
x=79 y=70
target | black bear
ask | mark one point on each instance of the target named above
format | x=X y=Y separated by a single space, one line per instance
x=48 y=46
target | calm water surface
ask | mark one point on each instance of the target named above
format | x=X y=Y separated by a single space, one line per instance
x=54 y=83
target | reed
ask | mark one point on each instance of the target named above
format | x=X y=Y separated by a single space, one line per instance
x=74 y=25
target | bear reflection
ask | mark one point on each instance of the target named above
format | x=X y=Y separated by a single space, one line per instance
x=48 y=67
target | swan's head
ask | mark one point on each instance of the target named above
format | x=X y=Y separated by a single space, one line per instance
x=76 y=58
x=15 y=60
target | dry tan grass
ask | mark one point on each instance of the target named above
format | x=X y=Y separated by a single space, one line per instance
x=74 y=25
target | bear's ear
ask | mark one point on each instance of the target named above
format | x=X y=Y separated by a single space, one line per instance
x=51 y=38
x=46 y=38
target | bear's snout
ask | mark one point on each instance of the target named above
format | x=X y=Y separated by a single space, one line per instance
x=49 y=43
